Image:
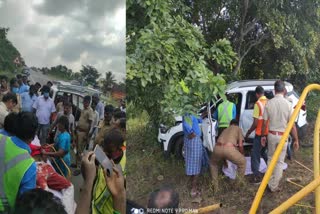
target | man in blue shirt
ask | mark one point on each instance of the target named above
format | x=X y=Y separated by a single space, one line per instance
x=99 y=106
x=195 y=154
x=23 y=82
x=28 y=98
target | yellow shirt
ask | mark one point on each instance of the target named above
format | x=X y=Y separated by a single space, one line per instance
x=256 y=107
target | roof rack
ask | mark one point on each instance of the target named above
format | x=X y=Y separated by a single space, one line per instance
x=79 y=89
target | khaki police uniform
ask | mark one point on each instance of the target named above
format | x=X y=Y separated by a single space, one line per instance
x=278 y=111
x=102 y=132
x=83 y=128
x=226 y=149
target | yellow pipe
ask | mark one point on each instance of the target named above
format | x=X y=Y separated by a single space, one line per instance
x=276 y=154
x=209 y=208
x=316 y=161
x=296 y=197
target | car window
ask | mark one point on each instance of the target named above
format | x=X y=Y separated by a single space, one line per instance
x=269 y=94
x=75 y=100
x=59 y=94
x=236 y=98
x=251 y=99
x=80 y=103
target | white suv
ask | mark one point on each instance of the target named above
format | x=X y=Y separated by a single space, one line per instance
x=242 y=93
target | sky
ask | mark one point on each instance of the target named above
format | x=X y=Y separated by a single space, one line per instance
x=68 y=32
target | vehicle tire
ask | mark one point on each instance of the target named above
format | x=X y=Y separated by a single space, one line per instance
x=178 y=148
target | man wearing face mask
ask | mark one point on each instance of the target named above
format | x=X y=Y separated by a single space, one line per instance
x=14 y=87
x=44 y=108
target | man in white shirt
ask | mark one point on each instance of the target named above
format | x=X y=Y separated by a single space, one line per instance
x=44 y=107
x=9 y=101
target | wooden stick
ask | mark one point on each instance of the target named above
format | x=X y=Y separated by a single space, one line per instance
x=302 y=205
x=303 y=166
x=289 y=180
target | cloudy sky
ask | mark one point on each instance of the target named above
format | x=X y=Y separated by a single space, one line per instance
x=68 y=32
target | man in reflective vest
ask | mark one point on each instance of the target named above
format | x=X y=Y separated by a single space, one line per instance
x=225 y=112
x=17 y=168
x=258 y=151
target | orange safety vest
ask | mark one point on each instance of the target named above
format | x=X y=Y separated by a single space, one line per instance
x=261 y=105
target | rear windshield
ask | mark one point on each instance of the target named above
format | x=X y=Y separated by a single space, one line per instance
x=293 y=92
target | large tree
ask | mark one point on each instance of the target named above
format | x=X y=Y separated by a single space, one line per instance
x=271 y=38
x=166 y=60
x=89 y=75
x=8 y=53
x=108 y=82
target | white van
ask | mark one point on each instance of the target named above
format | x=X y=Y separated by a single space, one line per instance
x=242 y=93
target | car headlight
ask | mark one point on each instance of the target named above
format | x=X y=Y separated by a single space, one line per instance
x=163 y=128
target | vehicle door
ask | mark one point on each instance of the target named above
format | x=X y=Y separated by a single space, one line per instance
x=246 y=118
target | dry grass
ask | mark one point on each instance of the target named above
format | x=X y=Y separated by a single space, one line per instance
x=146 y=166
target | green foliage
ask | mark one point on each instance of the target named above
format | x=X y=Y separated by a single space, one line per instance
x=108 y=82
x=59 y=71
x=8 y=52
x=89 y=75
x=272 y=39
x=167 y=71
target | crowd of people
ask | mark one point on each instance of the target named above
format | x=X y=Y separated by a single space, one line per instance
x=270 y=119
x=38 y=133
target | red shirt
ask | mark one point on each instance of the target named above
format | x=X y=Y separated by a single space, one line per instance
x=48 y=177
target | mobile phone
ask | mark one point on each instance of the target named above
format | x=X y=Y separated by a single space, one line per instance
x=103 y=159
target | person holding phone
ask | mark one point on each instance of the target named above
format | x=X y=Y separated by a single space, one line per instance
x=115 y=184
x=102 y=202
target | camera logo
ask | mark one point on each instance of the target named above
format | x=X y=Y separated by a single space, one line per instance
x=137 y=211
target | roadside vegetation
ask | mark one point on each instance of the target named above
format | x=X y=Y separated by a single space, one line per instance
x=182 y=53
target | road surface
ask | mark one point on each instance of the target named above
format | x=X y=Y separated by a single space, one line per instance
x=38 y=76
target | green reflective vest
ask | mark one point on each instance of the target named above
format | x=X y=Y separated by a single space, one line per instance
x=225 y=114
x=14 y=162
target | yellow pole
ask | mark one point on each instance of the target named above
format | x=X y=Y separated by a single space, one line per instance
x=209 y=208
x=316 y=161
x=276 y=154
x=296 y=197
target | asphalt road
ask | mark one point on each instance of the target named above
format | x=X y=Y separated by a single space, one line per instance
x=38 y=76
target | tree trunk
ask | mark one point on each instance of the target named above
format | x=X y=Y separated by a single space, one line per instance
x=238 y=66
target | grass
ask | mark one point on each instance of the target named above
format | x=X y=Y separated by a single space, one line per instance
x=148 y=170
x=312 y=104
x=9 y=74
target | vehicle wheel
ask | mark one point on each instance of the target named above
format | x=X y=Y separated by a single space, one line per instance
x=179 y=148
